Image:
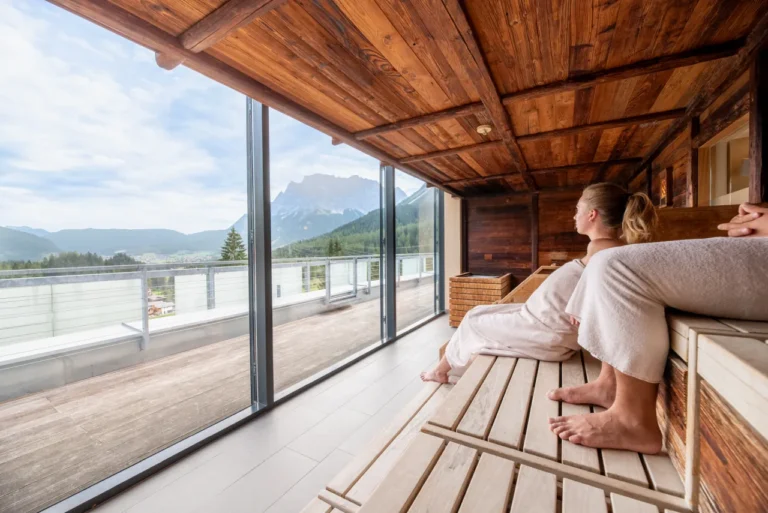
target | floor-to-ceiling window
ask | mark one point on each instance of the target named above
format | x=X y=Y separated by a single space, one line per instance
x=416 y=262
x=144 y=295
x=325 y=224
x=124 y=297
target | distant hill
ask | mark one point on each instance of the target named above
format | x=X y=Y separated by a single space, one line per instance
x=18 y=245
x=317 y=205
x=414 y=223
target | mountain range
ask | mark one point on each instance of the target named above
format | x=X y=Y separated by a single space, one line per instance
x=316 y=205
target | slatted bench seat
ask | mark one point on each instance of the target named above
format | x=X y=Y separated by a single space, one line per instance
x=484 y=444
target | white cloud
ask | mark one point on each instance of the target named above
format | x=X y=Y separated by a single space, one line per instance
x=94 y=134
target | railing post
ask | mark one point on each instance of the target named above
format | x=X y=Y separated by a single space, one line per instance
x=354 y=277
x=328 y=281
x=210 y=286
x=399 y=265
x=309 y=277
x=369 y=272
x=419 y=260
x=144 y=309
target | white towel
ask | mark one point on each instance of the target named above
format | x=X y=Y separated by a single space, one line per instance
x=621 y=297
x=538 y=329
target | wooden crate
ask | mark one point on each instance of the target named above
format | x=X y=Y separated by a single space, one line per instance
x=468 y=290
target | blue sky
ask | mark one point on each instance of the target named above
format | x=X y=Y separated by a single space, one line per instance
x=96 y=135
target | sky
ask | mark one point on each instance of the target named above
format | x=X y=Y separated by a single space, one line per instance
x=93 y=134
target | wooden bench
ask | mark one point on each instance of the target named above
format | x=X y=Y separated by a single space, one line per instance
x=484 y=444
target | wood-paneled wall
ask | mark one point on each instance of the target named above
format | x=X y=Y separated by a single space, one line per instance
x=499 y=235
x=499 y=230
x=734 y=458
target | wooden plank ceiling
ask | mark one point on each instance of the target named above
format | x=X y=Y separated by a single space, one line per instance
x=575 y=90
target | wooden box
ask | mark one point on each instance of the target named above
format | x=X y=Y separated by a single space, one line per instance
x=468 y=290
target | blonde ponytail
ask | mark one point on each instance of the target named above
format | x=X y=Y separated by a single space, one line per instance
x=632 y=213
x=640 y=219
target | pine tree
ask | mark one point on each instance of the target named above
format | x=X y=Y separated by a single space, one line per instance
x=233 y=248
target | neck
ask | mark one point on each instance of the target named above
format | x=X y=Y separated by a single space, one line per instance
x=602 y=234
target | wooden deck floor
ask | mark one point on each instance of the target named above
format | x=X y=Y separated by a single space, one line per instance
x=55 y=443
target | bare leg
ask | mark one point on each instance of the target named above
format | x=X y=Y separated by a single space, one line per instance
x=630 y=423
x=439 y=373
x=601 y=392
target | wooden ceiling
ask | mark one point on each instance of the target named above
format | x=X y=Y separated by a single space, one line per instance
x=575 y=90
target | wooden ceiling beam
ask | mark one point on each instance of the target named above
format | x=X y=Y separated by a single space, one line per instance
x=218 y=25
x=489 y=95
x=704 y=54
x=572 y=167
x=124 y=23
x=644 y=67
x=721 y=80
x=654 y=117
x=452 y=151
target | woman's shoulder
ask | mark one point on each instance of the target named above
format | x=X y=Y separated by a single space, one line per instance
x=599 y=245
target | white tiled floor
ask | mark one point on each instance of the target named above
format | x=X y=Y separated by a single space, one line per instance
x=278 y=462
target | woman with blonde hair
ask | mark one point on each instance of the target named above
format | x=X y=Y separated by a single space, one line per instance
x=540 y=328
x=620 y=302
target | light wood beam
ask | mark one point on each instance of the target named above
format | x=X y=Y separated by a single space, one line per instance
x=721 y=79
x=643 y=119
x=655 y=117
x=452 y=151
x=488 y=93
x=218 y=25
x=131 y=27
x=696 y=56
x=572 y=167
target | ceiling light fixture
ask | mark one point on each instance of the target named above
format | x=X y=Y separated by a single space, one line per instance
x=484 y=129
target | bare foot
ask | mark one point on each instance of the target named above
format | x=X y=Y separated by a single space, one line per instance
x=435 y=375
x=601 y=392
x=610 y=429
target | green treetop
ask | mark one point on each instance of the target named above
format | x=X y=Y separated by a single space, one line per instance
x=233 y=248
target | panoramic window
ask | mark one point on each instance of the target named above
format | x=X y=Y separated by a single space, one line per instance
x=123 y=263
x=415 y=249
x=326 y=235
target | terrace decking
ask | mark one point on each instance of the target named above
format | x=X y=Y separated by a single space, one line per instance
x=55 y=443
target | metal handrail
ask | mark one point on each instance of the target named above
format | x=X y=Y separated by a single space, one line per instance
x=145 y=272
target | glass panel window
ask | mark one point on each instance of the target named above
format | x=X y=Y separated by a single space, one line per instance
x=415 y=249
x=724 y=166
x=123 y=264
x=325 y=252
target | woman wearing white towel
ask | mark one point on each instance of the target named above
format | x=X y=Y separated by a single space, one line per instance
x=620 y=304
x=540 y=328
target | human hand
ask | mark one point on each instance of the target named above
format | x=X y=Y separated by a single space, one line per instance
x=752 y=221
x=575 y=321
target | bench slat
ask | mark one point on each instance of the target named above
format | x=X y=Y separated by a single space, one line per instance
x=622 y=465
x=343 y=481
x=481 y=412
x=536 y=490
x=508 y=426
x=446 y=483
x=752 y=327
x=450 y=413
x=664 y=477
x=538 y=437
x=365 y=486
x=400 y=486
x=316 y=506
x=572 y=454
x=582 y=498
x=490 y=486
x=623 y=504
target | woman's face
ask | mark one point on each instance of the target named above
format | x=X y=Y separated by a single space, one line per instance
x=582 y=217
